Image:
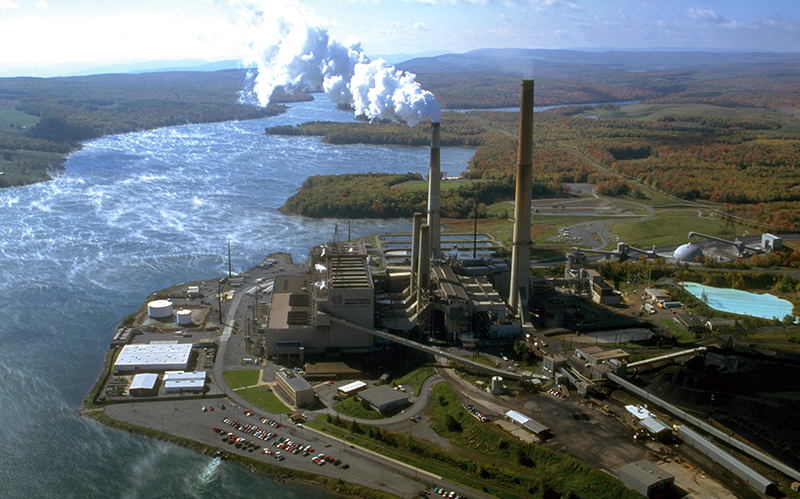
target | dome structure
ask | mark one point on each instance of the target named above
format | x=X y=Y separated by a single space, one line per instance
x=689 y=253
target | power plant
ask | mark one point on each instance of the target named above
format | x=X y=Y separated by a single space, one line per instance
x=432 y=297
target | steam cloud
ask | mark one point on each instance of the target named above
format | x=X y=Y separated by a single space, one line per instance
x=292 y=48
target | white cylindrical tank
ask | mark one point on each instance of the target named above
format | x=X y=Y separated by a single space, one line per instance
x=159 y=309
x=183 y=317
x=497 y=384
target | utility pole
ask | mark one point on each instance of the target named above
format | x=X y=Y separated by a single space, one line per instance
x=219 y=298
x=230 y=271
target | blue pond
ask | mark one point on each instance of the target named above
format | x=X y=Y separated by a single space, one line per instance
x=766 y=306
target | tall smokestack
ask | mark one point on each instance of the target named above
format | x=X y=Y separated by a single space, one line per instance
x=424 y=270
x=521 y=250
x=435 y=191
x=415 y=249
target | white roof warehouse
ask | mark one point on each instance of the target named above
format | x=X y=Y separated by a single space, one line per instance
x=154 y=357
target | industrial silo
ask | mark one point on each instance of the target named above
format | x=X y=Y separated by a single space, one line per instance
x=159 y=309
x=183 y=317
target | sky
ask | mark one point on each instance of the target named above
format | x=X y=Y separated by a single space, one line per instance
x=62 y=37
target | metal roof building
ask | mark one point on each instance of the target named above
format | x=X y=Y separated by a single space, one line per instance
x=352 y=388
x=730 y=463
x=382 y=398
x=143 y=384
x=646 y=478
x=154 y=357
x=181 y=381
x=529 y=424
x=654 y=425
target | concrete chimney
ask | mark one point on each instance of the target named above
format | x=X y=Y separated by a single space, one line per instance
x=415 y=249
x=424 y=270
x=435 y=191
x=521 y=249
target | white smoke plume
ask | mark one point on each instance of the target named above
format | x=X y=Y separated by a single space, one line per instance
x=291 y=47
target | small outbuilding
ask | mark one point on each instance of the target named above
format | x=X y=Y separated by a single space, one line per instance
x=351 y=388
x=144 y=384
x=181 y=381
x=529 y=424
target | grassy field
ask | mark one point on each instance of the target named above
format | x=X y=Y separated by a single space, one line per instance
x=529 y=469
x=653 y=112
x=242 y=378
x=681 y=335
x=351 y=407
x=260 y=397
x=24 y=167
x=415 y=378
x=15 y=122
x=668 y=228
x=787 y=335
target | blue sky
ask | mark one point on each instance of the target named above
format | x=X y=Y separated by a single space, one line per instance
x=57 y=37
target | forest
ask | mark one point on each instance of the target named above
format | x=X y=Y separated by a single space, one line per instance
x=747 y=162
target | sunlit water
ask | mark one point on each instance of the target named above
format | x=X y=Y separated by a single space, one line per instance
x=132 y=214
x=736 y=301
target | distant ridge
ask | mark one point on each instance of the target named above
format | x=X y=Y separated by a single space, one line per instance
x=162 y=66
x=525 y=61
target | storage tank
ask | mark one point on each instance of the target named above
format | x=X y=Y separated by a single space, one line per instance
x=497 y=385
x=159 y=309
x=183 y=317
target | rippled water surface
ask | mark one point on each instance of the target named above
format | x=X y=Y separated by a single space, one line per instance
x=132 y=214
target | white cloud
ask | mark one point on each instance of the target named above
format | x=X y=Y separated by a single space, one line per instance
x=41 y=4
x=8 y=4
x=706 y=15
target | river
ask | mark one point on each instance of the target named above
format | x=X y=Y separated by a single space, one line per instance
x=132 y=214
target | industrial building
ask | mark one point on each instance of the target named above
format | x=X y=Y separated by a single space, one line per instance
x=603 y=293
x=551 y=365
x=725 y=459
x=594 y=355
x=182 y=381
x=294 y=389
x=351 y=388
x=529 y=424
x=144 y=384
x=154 y=357
x=647 y=479
x=339 y=284
x=384 y=399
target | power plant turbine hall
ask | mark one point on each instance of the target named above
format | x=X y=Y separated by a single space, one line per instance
x=293 y=49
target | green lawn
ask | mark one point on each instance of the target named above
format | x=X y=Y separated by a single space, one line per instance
x=260 y=397
x=352 y=407
x=668 y=228
x=242 y=378
x=415 y=378
x=681 y=335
